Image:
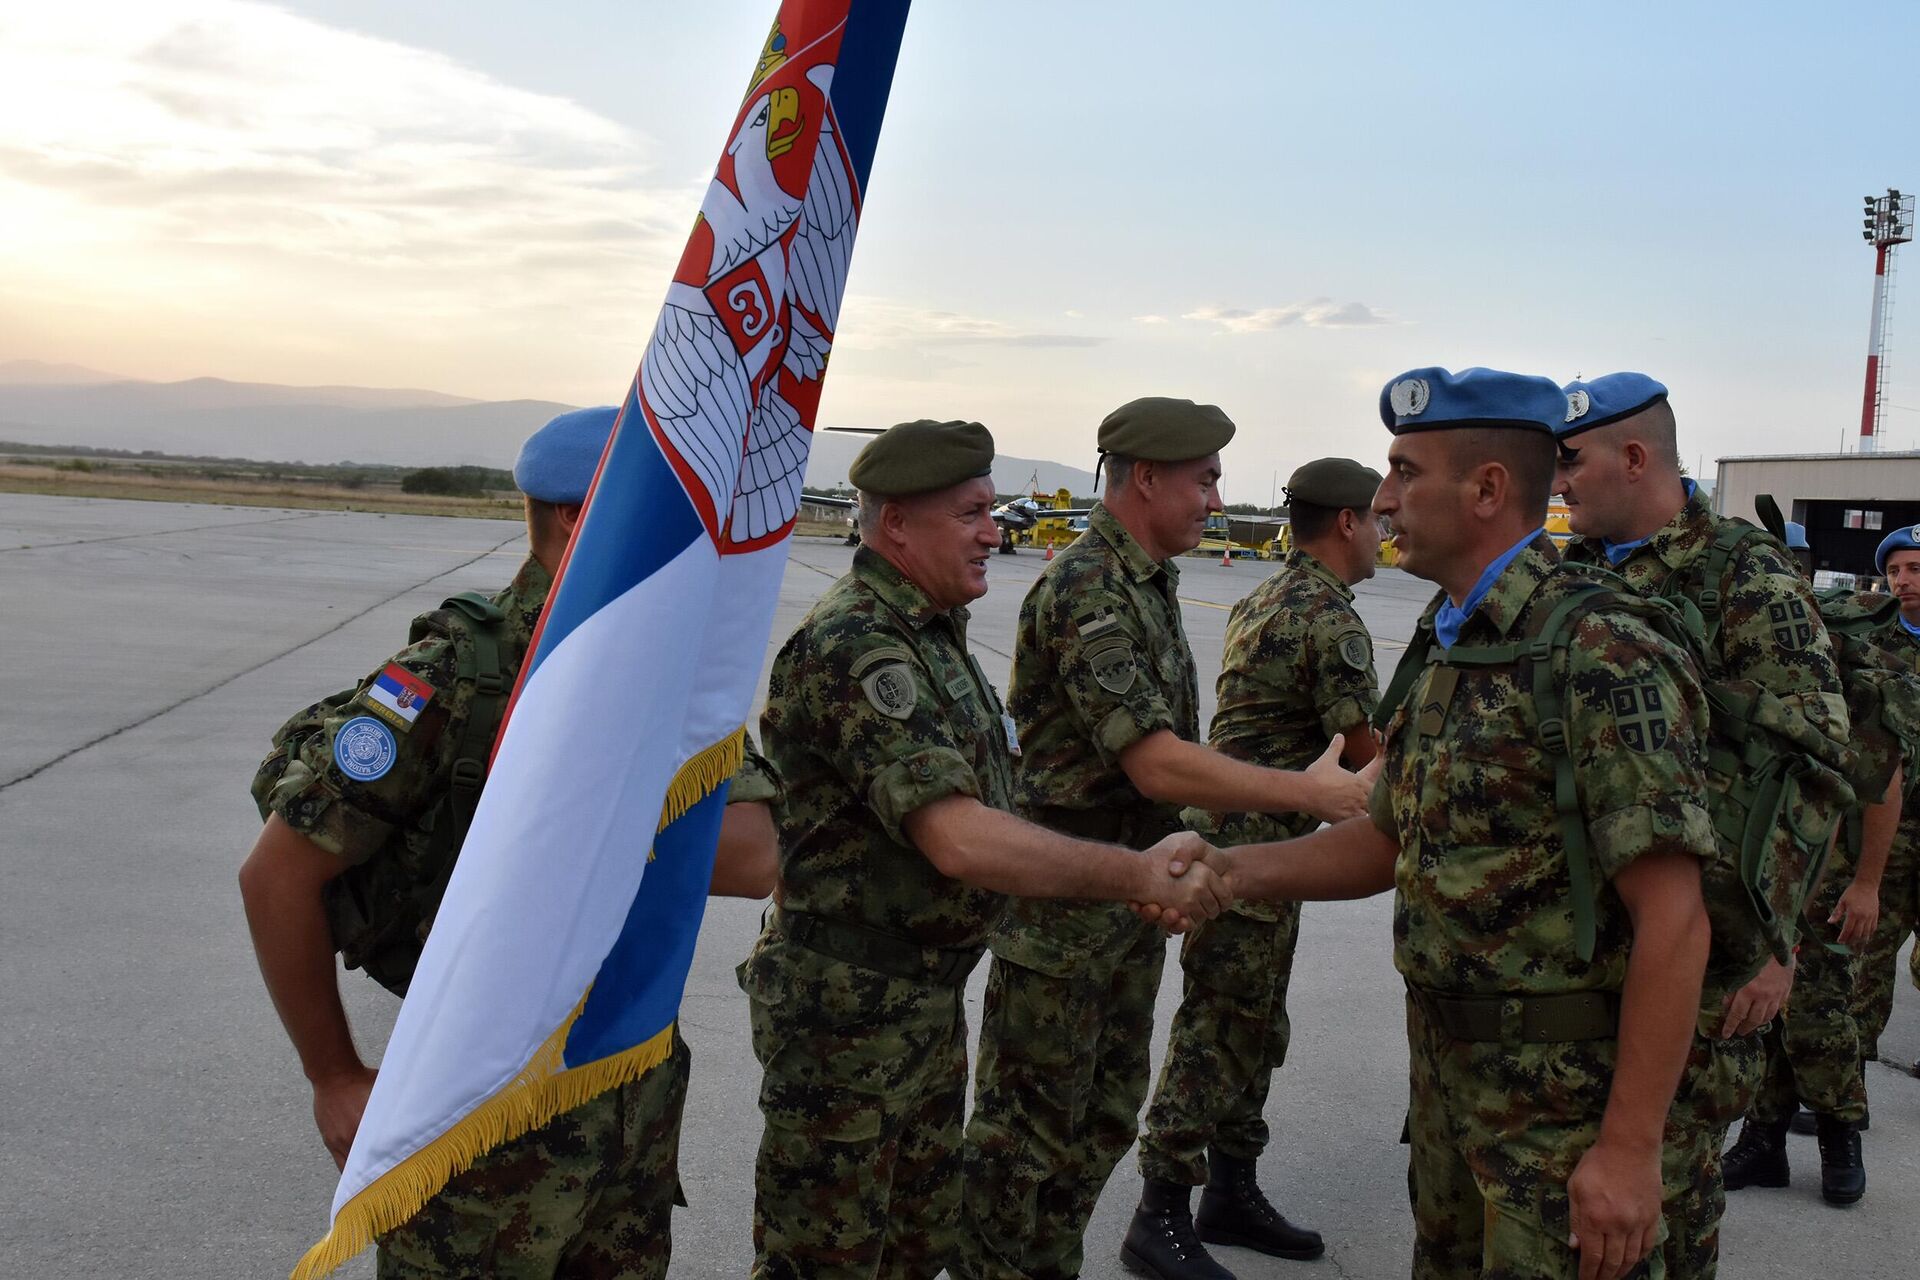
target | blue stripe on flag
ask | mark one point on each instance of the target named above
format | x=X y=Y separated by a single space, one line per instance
x=864 y=77
x=637 y=992
x=640 y=519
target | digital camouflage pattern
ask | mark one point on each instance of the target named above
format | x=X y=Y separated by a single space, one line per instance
x=1483 y=905
x=588 y=1195
x=863 y=1093
x=1100 y=661
x=1899 y=888
x=1061 y=1076
x=1495 y=1131
x=874 y=709
x=1770 y=634
x=1298 y=668
x=359 y=822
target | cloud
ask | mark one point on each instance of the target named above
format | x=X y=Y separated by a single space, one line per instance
x=227 y=156
x=1315 y=313
x=1149 y=319
x=882 y=322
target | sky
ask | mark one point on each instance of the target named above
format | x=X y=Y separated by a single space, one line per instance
x=1271 y=206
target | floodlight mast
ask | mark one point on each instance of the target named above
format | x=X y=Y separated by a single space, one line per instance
x=1888 y=222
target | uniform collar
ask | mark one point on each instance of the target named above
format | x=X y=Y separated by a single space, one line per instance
x=524 y=598
x=1516 y=576
x=1307 y=563
x=1133 y=557
x=898 y=592
x=1675 y=542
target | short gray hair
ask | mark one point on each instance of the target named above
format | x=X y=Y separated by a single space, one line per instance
x=868 y=512
x=1118 y=469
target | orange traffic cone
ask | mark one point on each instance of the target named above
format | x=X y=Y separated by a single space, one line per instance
x=1226 y=555
x=1049 y=554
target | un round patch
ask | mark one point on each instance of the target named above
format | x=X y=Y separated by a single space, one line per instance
x=1579 y=404
x=1409 y=396
x=364 y=749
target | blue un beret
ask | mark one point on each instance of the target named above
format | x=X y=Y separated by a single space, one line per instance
x=1607 y=400
x=557 y=462
x=1433 y=399
x=1905 y=539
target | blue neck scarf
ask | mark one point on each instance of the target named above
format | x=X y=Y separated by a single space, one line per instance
x=1913 y=629
x=1451 y=617
x=1618 y=551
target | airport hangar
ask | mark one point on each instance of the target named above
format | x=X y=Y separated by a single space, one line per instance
x=1847 y=501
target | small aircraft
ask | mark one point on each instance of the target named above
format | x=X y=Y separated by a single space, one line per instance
x=1017 y=518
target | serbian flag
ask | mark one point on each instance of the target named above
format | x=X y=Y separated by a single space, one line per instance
x=556 y=963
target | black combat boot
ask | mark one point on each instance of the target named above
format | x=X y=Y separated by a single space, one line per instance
x=1160 y=1240
x=1758 y=1158
x=1233 y=1210
x=1843 y=1178
x=1806 y=1121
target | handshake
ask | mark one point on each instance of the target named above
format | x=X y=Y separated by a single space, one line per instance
x=1184 y=882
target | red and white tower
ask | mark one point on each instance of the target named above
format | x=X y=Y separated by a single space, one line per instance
x=1889 y=222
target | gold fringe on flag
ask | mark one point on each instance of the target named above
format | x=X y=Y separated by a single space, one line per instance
x=541 y=1090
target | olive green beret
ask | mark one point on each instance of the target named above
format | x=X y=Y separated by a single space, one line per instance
x=1333 y=482
x=1162 y=429
x=919 y=457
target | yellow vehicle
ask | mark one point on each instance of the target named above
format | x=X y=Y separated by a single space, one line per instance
x=1559 y=521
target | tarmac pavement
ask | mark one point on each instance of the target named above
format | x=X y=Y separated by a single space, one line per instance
x=155 y=1120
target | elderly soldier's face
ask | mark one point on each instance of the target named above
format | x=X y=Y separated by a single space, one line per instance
x=1903 y=580
x=1424 y=503
x=1184 y=494
x=947 y=539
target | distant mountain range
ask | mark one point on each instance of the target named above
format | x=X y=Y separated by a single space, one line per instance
x=43 y=403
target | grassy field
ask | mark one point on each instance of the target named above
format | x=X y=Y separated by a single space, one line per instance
x=107 y=481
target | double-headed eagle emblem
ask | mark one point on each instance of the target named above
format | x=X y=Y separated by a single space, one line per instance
x=743 y=338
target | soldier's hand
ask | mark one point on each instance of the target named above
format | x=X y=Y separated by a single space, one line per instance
x=1857 y=913
x=1340 y=795
x=1184 y=886
x=1759 y=1002
x=338 y=1103
x=1613 y=1203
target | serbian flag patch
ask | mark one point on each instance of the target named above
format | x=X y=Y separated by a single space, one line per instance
x=398 y=696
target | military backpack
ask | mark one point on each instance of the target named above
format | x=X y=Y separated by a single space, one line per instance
x=1776 y=783
x=379 y=910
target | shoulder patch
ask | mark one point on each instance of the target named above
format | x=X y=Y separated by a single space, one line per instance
x=1095 y=621
x=891 y=690
x=1640 y=716
x=874 y=657
x=1792 y=629
x=1355 y=651
x=1114 y=666
x=398 y=696
x=364 y=749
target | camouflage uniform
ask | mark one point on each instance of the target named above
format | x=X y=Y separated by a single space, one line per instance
x=1100 y=661
x=1899 y=891
x=589 y=1193
x=1763 y=637
x=1298 y=669
x=1483 y=913
x=874 y=710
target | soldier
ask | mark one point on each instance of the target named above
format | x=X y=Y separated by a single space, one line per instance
x=1898 y=561
x=1105 y=698
x=1812 y=1050
x=1634 y=511
x=1298 y=670
x=1553 y=958
x=897 y=848
x=356 y=862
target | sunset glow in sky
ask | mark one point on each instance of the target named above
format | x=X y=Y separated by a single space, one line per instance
x=1270 y=206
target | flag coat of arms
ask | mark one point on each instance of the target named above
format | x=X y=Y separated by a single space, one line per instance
x=555 y=966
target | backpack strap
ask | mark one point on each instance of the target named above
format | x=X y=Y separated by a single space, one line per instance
x=474 y=624
x=1726 y=545
x=1418 y=654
